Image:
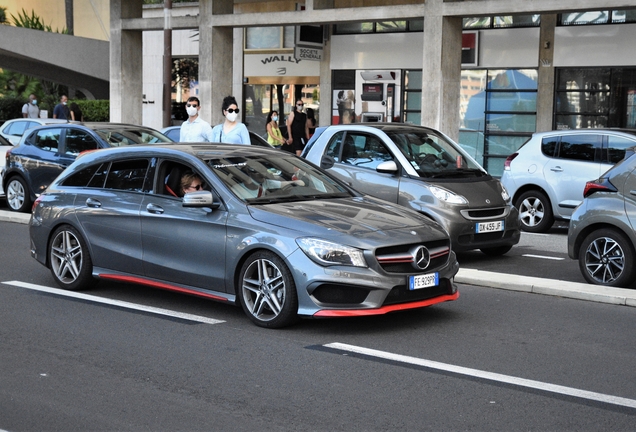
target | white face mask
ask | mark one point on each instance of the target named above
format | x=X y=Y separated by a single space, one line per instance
x=34 y=102
x=275 y=118
x=231 y=116
x=192 y=111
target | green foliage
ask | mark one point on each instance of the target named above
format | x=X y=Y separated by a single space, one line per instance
x=32 y=22
x=13 y=84
x=3 y=15
x=10 y=108
x=94 y=110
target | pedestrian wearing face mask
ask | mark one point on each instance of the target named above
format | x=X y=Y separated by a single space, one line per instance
x=61 y=111
x=297 y=128
x=274 y=136
x=195 y=129
x=31 y=109
x=231 y=131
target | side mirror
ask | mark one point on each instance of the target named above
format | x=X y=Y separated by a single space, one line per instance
x=327 y=162
x=200 y=199
x=388 y=167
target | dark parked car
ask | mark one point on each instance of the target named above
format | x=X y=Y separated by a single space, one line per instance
x=422 y=169
x=601 y=233
x=173 y=133
x=45 y=151
x=260 y=228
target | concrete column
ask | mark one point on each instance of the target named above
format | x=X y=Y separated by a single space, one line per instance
x=545 y=89
x=441 y=71
x=216 y=64
x=324 y=115
x=126 y=71
x=237 y=60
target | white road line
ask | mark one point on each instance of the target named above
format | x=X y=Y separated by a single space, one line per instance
x=543 y=257
x=552 y=388
x=123 y=304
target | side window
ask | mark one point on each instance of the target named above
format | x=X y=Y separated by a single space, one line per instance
x=17 y=128
x=47 y=139
x=333 y=149
x=580 y=147
x=616 y=147
x=549 y=146
x=85 y=177
x=171 y=174
x=128 y=175
x=369 y=151
x=78 y=141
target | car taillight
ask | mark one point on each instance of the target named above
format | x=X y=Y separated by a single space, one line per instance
x=508 y=160
x=35 y=203
x=600 y=185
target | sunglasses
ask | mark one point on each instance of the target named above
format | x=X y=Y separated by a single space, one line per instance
x=197 y=187
x=191 y=105
x=232 y=110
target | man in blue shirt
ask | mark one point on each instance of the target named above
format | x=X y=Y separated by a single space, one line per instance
x=195 y=129
x=61 y=111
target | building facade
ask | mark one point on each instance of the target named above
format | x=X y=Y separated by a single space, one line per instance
x=486 y=72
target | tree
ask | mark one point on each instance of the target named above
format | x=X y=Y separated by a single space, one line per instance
x=68 y=8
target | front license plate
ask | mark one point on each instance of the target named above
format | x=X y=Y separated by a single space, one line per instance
x=482 y=227
x=423 y=281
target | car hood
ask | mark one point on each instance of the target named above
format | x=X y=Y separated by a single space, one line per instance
x=351 y=216
x=480 y=193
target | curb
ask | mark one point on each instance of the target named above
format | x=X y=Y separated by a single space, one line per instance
x=553 y=287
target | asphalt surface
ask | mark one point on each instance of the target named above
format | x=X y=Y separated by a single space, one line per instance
x=505 y=281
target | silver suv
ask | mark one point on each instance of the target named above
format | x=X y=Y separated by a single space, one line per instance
x=601 y=234
x=546 y=176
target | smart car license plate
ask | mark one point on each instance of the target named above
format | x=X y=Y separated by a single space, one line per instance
x=482 y=227
x=423 y=281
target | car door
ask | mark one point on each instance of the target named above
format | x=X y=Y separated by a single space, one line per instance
x=108 y=212
x=576 y=161
x=182 y=245
x=357 y=156
x=42 y=162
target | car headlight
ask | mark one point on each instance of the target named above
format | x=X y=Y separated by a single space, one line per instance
x=504 y=194
x=328 y=253
x=447 y=196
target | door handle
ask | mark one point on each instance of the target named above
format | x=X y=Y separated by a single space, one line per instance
x=556 y=169
x=93 y=203
x=155 y=209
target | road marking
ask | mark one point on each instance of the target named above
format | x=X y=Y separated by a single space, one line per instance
x=543 y=257
x=119 y=303
x=507 y=379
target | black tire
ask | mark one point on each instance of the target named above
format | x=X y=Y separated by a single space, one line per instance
x=606 y=257
x=497 y=250
x=535 y=211
x=69 y=260
x=267 y=291
x=18 y=195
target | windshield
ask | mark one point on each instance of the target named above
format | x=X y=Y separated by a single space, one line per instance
x=127 y=136
x=433 y=156
x=275 y=178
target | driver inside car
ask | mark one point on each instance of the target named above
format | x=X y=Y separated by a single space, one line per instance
x=256 y=183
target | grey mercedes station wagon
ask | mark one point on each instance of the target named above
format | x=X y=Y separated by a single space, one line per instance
x=239 y=224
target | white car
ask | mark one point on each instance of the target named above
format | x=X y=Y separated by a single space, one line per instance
x=15 y=128
x=546 y=176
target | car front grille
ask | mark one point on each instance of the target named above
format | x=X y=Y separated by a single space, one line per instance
x=489 y=213
x=400 y=260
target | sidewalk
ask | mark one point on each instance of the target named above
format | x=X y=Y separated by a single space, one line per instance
x=553 y=287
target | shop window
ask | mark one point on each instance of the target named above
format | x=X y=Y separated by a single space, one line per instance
x=412 y=97
x=597 y=17
x=497 y=113
x=594 y=98
x=416 y=25
x=264 y=38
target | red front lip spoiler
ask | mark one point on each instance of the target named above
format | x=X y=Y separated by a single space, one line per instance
x=385 y=309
